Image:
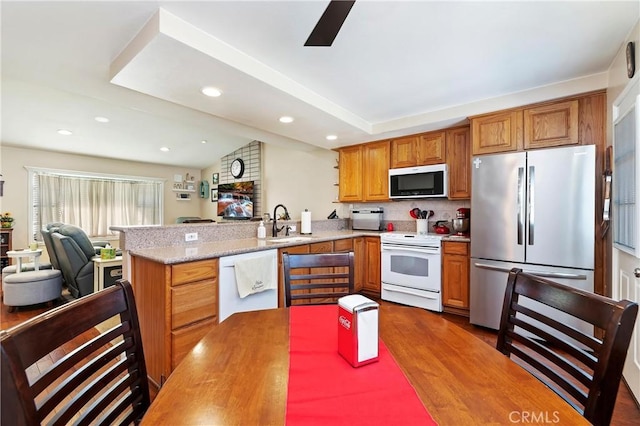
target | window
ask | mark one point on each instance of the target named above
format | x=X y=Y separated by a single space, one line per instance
x=93 y=202
x=626 y=212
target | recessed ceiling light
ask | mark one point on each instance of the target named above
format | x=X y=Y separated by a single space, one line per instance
x=164 y=149
x=65 y=132
x=286 y=119
x=203 y=141
x=331 y=137
x=101 y=119
x=211 y=91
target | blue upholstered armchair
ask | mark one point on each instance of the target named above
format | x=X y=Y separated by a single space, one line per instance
x=74 y=252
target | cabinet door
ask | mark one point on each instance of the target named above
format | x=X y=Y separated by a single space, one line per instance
x=360 y=260
x=498 y=132
x=459 y=163
x=372 y=265
x=404 y=152
x=376 y=171
x=455 y=275
x=551 y=125
x=431 y=148
x=350 y=185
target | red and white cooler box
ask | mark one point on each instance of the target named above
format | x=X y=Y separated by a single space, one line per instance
x=358 y=329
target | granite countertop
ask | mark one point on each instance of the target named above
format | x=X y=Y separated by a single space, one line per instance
x=199 y=251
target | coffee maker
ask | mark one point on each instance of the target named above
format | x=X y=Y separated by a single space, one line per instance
x=461 y=222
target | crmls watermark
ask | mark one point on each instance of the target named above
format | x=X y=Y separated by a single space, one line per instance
x=535 y=417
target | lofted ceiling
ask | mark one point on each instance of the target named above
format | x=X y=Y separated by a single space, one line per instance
x=395 y=68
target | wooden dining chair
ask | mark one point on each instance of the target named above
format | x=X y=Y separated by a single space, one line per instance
x=583 y=369
x=69 y=365
x=317 y=278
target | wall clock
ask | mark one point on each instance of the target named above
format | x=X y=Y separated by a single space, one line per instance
x=237 y=168
x=631 y=60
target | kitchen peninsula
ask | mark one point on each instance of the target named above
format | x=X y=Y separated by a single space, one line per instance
x=176 y=283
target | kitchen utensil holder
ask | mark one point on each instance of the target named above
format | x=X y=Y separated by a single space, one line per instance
x=421 y=226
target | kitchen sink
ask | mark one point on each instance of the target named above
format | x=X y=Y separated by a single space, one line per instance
x=289 y=239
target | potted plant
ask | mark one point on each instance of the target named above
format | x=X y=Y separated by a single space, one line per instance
x=6 y=220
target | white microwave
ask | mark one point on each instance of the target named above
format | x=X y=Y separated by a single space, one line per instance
x=418 y=182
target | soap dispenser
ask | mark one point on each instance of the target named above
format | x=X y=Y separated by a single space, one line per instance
x=262 y=231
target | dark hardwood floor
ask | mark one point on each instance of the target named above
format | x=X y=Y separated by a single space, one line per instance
x=626 y=413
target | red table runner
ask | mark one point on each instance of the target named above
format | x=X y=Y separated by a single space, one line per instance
x=325 y=389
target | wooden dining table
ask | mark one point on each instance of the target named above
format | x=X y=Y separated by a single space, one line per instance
x=238 y=374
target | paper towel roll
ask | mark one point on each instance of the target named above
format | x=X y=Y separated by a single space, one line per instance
x=305 y=226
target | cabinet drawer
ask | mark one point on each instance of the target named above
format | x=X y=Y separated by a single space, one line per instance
x=193 y=302
x=183 y=340
x=343 y=245
x=194 y=271
x=322 y=247
x=453 y=247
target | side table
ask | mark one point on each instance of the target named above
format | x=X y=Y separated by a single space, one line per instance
x=20 y=254
x=101 y=266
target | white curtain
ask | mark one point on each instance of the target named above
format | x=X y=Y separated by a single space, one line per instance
x=95 y=204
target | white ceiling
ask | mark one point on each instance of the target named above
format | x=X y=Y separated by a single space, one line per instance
x=395 y=68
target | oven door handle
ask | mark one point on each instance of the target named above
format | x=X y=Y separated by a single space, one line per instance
x=388 y=248
x=412 y=293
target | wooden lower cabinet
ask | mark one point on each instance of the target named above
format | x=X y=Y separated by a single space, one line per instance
x=177 y=305
x=455 y=277
x=367 y=260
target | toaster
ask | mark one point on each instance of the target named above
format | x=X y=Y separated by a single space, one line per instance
x=367 y=219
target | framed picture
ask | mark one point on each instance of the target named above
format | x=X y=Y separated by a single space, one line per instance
x=215 y=178
x=214 y=195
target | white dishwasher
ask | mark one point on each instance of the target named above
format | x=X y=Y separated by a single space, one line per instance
x=229 y=298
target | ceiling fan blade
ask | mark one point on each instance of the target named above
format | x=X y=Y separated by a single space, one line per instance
x=330 y=23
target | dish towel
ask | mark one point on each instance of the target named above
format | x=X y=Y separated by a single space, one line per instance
x=255 y=275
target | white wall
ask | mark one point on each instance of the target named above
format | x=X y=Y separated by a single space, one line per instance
x=300 y=180
x=16 y=188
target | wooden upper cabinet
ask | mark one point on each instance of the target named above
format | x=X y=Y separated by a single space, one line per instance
x=500 y=132
x=418 y=150
x=404 y=152
x=431 y=148
x=364 y=172
x=376 y=171
x=551 y=125
x=459 y=163
x=350 y=172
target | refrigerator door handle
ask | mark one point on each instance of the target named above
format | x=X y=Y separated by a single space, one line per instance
x=542 y=274
x=520 y=201
x=531 y=208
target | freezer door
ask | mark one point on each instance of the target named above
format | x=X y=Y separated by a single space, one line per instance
x=489 y=283
x=498 y=183
x=561 y=207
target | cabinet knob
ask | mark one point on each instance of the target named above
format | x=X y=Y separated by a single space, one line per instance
x=636 y=272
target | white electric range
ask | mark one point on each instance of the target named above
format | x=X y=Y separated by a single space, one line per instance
x=411 y=266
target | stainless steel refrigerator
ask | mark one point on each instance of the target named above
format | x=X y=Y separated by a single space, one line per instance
x=534 y=210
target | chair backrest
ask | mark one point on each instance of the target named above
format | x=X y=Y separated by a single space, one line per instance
x=84 y=374
x=318 y=278
x=48 y=243
x=80 y=237
x=583 y=369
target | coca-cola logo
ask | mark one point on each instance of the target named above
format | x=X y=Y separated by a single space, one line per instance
x=344 y=322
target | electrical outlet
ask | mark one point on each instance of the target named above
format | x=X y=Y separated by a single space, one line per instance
x=193 y=236
x=293 y=228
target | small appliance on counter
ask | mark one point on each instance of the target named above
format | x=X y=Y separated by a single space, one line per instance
x=367 y=219
x=461 y=222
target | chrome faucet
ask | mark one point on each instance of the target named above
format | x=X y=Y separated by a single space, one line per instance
x=275 y=229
